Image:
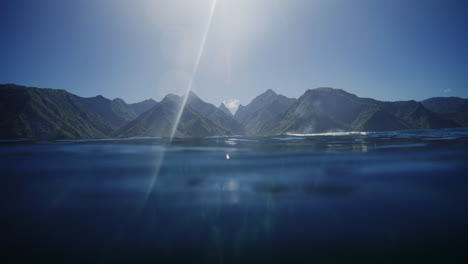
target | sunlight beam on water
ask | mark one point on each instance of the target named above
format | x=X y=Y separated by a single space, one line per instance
x=194 y=71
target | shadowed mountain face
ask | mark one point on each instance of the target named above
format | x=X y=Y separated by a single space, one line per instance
x=451 y=108
x=47 y=113
x=141 y=107
x=160 y=120
x=413 y=114
x=223 y=108
x=213 y=113
x=116 y=111
x=326 y=109
x=28 y=112
x=262 y=109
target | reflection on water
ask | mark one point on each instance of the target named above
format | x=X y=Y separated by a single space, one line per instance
x=373 y=197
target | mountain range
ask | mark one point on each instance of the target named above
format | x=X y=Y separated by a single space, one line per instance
x=41 y=113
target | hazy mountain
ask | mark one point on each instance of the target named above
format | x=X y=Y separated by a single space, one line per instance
x=160 y=120
x=452 y=108
x=414 y=115
x=141 y=107
x=214 y=114
x=223 y=108
x=262 y=109
x=327 y=109
x=116 y=111
x=28 y=112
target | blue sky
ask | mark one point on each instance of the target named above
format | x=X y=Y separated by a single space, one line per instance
x=384 y=49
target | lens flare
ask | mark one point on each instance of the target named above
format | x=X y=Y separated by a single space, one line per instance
x=195 y=69
x=159 y=161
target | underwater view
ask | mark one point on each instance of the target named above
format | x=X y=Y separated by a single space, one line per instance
x=390 y=197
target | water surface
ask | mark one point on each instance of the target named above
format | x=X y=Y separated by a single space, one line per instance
x=330 y=198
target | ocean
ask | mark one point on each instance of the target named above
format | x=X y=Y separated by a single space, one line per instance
x=393 y=197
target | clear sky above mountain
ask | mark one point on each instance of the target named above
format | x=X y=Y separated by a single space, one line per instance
x=139 y=49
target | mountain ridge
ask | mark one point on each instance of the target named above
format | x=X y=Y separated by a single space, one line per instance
x=327 y=109
x=44 y=113
x=226 y=110
x=261 y=109
x=160 y=122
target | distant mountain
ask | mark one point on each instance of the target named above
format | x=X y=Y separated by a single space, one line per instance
x=452 y=108
x=414 y=115
x=116 y=111
x=223 y=108
x=262 y=109
x=160 y=120
x=31 y=112
x=141 y=107
x=28 y=112
x=214 y=114
x=326 y=109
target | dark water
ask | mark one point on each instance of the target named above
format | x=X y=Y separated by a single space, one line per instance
x=378 y=198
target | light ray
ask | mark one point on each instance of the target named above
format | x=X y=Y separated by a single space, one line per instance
x=159 y=162
x=194 y=71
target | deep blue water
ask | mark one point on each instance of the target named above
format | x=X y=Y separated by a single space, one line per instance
x=398 y=197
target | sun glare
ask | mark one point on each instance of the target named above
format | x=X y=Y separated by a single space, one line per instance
x=195 y=68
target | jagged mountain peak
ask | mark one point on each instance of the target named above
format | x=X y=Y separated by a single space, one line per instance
x=265 y=95
x=119 y=100
x=328 y=90
x=327 y=109
x=261 y=109
x=317 y=110
x=268 y=92
x=143 y=106
x=170 y=97
x=192 y=94
x=226 y=110
x=151 y=100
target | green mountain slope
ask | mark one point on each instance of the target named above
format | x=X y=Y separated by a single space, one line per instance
x=262 y=109
x=452 y=108
x=28 y=112
x=326 y=109
x=160 y=120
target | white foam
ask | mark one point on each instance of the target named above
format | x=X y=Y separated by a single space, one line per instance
x=330 y=134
